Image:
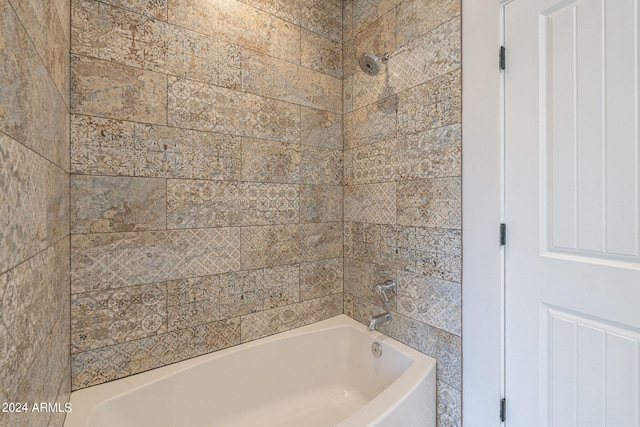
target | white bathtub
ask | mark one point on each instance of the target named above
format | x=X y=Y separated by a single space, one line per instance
x=323 y=374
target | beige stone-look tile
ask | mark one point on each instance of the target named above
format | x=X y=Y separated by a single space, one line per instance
x=321 y=54
x=434 y=202
x=34 y=203
x=115 y=147
x=365 y=12
x=211 y=108
x=289 y=10
x=117 y=35
x=372 y=243
x=449 y=409
x=114 y=260
x=361 y=278
x=117 y=91
x=195 y=204
x=432 y=252
x=102 y=204
x=153 y=8
x=373 y=123
x=239 y=23
x=379 y=38
x=42 y=22
x=371 y=163
x=320 y=128
x=269 y=322
x=193 y=301
x=115 y=316
x=118 y=361
x=63 y=9
x=427 y=57
x=347 y=94
x=321 y=278
x=320 y=203
x=430 y=105
x=271 y=161
x=431 y=153
x=268 y=246
x=371 y=203
x=347 y=21
x=432 y=301
x=320 y=241
x=272 y=77
x=417 y=17
x=320 y=165
x=32 y=111
x=322 y=17
x=203 y=58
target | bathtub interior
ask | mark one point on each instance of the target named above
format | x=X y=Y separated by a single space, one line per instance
x=317 y=378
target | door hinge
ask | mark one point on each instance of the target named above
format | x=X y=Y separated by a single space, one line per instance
x=503 y=234
x=503 y=410
x=503 y=58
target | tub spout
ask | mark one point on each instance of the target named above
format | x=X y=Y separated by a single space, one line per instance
x=374 y=321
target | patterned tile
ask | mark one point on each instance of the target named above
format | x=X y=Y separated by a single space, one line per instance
x=110 y=363
x=432 y=252
x=365 y=12
x=211 y=108
x=196 y=204
x=347 y=94
x=267 y=246
x=270 y=161
x=153 y=8
x=117 y=35
x=275 y=78
x=117 y=91
x=368 y=89
x=322 y=17
x=379 y=38
x=320 y=128
x=257 y=30
x=372 y=243
x=289 y=10
x=320 y=203
x=320 y=241
x=431 y=153
x=417 y=17
x=102 y=204
x=430 y=105
x=449 y=409
x=320 y=278
x=360 y=279
x=269 y=322
x=203 y=58
x=372 y=203
x=193 y=301
x=31 y=109
x=427 y=57
x=435 y=202
x=320 y=165
x=34 y=203
x=115 y=316
x=321 y=54
x=373 y=123
x=371 y=163
x=114 y=147
x=432 y=301
x=113 y=260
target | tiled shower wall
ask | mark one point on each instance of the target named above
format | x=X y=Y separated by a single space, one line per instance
x=206 y=186
x=34 y=208
x=402 y=193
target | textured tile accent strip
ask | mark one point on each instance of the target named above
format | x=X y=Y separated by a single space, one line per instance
x=110 y=363
x=256 y=30
x=196 y=204
x=434 y=202
x=113 y=260
x=114 y=316
x=430 y=105
x=102 y=204
x=449 y=409
x=117 y=91
x=320 y=278
x=432 y=301
x=372 y=203
x=114 y=147
x=269 y=322
x=33 y=203
x=432 y=153
x=211 y=108
x=31 y=108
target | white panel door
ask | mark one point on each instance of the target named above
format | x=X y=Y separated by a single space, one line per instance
x=572 y=210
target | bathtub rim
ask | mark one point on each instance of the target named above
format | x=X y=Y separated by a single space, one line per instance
x=85 y=400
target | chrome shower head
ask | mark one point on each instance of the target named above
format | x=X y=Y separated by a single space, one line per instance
x=370 y=63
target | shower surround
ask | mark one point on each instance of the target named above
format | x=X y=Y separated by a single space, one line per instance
x=213 y=201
